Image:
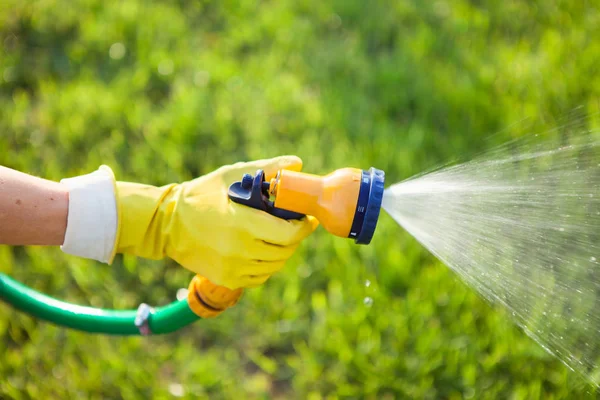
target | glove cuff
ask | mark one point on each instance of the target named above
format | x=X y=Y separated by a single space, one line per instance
x=92 y=223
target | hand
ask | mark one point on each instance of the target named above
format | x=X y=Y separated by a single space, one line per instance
x=196 y=224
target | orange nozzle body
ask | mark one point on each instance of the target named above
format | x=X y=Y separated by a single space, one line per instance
x=332 y=198
x=346 y=202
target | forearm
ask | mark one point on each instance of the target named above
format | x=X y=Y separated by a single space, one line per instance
x=33 y=211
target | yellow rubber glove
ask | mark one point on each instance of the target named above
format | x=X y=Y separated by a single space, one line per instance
x=196 y=224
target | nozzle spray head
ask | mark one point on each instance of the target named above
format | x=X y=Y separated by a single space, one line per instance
x=368 y=206
x=347 y=202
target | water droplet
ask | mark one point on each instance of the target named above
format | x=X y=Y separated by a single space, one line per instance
x=367 y=283
x=176 y=389
x=592 y=259
x=117 y=51
x=368 y=301
x=166 y=67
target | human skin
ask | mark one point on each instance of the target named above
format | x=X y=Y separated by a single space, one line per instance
x=33 y=211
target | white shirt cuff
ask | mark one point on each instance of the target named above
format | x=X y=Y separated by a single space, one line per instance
x=92 y=221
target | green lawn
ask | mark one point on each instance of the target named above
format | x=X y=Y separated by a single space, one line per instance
x=171 y=90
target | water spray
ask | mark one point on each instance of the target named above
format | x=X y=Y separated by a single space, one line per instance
x=520 y=224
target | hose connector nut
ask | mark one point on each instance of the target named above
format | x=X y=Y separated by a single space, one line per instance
x=142 y=319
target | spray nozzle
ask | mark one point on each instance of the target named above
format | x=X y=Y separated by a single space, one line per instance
x=346 y=202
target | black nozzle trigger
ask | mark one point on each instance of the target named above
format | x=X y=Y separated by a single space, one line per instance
x=253 y=191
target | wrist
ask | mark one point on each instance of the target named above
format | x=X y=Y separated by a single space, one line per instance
x=145 y=211
x=58 y=214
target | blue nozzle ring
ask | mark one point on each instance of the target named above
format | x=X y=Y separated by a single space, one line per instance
x=368 y=206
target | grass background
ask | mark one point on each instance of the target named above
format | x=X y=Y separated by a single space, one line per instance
x=165 y=91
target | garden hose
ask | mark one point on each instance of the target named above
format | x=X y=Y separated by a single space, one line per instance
x=143 y=321
x=346 y=202
x=130 y=322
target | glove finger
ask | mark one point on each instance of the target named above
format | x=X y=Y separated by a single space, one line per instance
x=251 y=273
x=271 y=229
x=294 y=233
x=252 y=281
x=259 y=267
x=263 y=251
x=270 y=166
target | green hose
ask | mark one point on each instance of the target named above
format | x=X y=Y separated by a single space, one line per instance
x=159 y=321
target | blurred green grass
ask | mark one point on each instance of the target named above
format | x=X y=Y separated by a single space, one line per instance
x=165 y=91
